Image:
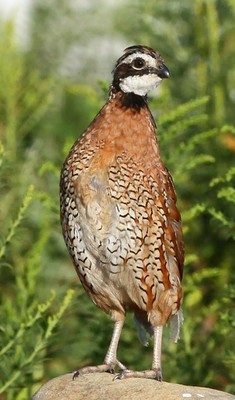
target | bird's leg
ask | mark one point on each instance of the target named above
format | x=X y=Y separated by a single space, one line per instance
x=157 y=352
x=110 y=360
x=111 y=355
x=156 y=371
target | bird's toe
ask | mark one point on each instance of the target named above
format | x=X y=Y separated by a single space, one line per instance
x=149 y=374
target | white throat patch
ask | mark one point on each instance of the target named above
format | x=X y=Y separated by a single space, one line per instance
x=139 y=85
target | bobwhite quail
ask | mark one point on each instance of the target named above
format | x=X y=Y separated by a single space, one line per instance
x=119 y=216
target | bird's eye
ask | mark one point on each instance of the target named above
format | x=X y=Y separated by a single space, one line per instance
x=138 y=63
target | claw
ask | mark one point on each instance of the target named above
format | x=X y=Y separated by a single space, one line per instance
x=76 y=374
x=158 y=374
x=121 y=375
x=110 y=371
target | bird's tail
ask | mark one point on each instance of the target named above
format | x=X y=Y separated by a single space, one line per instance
x=176 y=321
x=143 y=328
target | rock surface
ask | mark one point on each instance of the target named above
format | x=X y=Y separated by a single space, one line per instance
x=102 y=387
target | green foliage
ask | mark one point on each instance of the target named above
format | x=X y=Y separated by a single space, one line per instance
x=27 y=323
x=26 y=342
x=24 y=97
x=42 y=113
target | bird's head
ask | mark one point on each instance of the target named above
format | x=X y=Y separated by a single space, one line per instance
x=139 y=70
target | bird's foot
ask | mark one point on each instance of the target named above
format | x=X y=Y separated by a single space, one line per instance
x=110 y=367
x=149 y=374
x=93 y=369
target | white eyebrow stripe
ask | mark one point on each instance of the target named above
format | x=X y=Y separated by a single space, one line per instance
x=151 y=61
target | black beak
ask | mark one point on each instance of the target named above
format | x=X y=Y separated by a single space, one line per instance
x=163 y=71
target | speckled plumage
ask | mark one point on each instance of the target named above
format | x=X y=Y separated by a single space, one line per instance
x=118 y=211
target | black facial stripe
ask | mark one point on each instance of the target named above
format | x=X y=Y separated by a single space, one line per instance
x=146 y=71
x=130 y=71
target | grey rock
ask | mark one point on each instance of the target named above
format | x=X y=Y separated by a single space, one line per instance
x=99 y=386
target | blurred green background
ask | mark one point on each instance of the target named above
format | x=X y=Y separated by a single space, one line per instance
x=55 y=69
